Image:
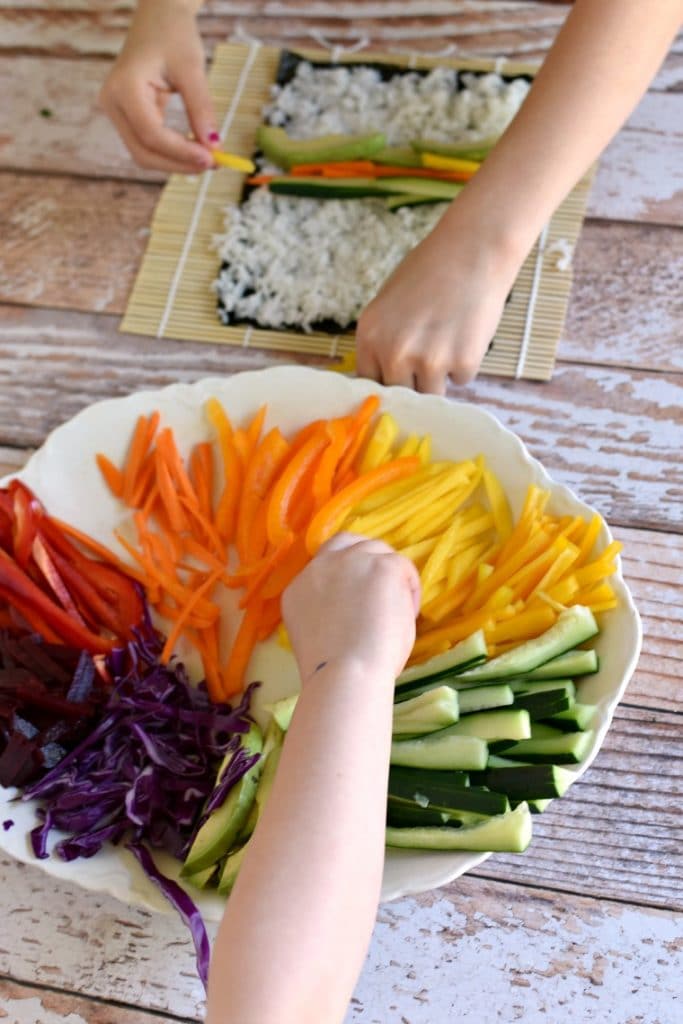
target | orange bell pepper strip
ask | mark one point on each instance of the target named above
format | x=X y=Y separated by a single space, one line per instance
x=278 y=580
x=324 y=475
x=359 y=429
x=280 y=503
x=262 y=471
x=330 y=517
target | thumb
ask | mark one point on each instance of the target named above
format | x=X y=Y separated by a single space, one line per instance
x=194 y=88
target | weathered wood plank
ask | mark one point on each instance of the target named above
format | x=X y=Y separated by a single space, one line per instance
x=33 y=1004
x=101 y=225
x=626 y=304
x=427 y=955
x=614 y=436
x=639 y=177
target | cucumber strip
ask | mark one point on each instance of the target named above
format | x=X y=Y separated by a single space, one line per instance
x=427 y=712
x=544 y=705
x=482 y=698
x=496 y=761
x=507 y=724
x=464 y=753
x=528 y=686
x=435 y=188
x=396 y=202
x=407 y=814
x=569 y=664
x=405 y=781
x=464 y=655
x=573 y=626
x=529 y=782
x=577 y=718
x=567 y=748
x=509 y=833
x=326 y=188
x=535 y=806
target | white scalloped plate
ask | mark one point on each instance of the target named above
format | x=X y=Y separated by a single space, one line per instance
x=64 y=476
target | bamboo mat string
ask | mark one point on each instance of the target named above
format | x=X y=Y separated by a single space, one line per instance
x=203 y=189
x=531 y=304
x=336 y=50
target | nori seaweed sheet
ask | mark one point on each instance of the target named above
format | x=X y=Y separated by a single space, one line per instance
x=287 y=69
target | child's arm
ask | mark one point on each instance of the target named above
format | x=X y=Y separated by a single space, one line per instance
x=438 y=312
x=298 y=922
x=162 y=54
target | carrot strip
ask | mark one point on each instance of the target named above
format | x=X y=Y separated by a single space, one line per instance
x=98 y=549
x=201 y=476
x=139 y=446
x=181 y=621
x=233 y=676
x=228 y=504
x=271 y=617
x=169 y=496
x=145 y=483
x=113 y=477
x=268 y=565
x=282 y=576
x=330 y=517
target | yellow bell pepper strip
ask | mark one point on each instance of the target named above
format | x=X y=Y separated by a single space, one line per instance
x=233 y=161
x=422 y=498
x=450 y=634
x=500 y=507
x=409 y=446
x=380 y=444
x=419 y=552
x=559 y=567
x=524 y=580
x=386 y=495
x=450 y=163
x=506 y=569
x=424 y=450
x=330 y=517
x=594 y=572
x=522 y=627
x=588 y=540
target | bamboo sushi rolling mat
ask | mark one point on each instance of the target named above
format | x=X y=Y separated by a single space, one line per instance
x=173 y=296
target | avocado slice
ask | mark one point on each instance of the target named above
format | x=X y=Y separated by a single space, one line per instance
x=277 y=146
x=220 y=830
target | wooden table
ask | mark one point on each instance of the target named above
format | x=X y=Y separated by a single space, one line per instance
x=586 y=925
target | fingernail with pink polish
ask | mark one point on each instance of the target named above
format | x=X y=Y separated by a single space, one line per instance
x=214 y=137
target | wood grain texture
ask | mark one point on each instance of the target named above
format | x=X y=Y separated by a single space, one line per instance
x=537 y=952
x=640 y=176
x=35 y=1004
x=70 y=243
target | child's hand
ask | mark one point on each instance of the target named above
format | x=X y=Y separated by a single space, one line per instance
x=437 y=313
x=163 y=54
x=356 y=602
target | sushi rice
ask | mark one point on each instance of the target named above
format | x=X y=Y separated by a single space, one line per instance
x=293 y=262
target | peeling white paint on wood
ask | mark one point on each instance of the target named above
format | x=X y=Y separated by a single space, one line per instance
x=532 y=955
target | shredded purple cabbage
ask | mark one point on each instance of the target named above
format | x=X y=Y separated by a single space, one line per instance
x=146 y=773
x=179 y=899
